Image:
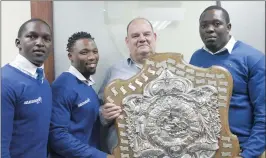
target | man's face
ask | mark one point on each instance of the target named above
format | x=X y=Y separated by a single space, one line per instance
x=35 y=42
x=214 y=31
x=141 y=40
x=84 y=56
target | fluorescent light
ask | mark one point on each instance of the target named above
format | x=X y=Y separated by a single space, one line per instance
x=163 y=25
x=160 y=25
x=161 y=14
x=155 y=23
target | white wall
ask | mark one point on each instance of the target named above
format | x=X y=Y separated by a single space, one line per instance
x=13 y=14
x=185 y=37
x=248 y=21
x=107 y=22
x=70 y=17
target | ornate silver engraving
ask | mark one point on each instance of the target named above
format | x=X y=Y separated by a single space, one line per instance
x=190 y=77
x=122 y=89
x=223 y=97
x=222 y=90
x=162 y=64
x=125 y=155
x=114 y=91
x=171 y=61
x=226 y=145
x=121 y=117
x=226 y=154
x=210 y=75
x=151 y=71
x=201 y=81
x=138 y=82
x=144 y=77
x=121 y=125
x=190 y=71
x=182 y=73
x=228 y=139
x=171 y=68
x=222 y=104
x=123 y=134
x=148 y=62
x=172 y=119
x=181 y=66
x=124 y=148
x=159 y=71
x=133 y=88
x=210 y=82
x=200 y=74
x=223 y=83
x=124 y=141
x=110 y=99
x=220 y=76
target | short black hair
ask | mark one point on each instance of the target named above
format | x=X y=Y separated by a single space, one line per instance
x=138 y=19
x=216 y=7
x=76 y=36
x=22 y=27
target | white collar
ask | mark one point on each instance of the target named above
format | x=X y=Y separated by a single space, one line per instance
x=77 y=74
x=25 y=65
x=229 y=46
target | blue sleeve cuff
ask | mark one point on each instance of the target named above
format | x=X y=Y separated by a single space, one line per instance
x=100 y=154
x=248 y=154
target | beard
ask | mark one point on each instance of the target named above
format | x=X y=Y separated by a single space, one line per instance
x=88 y=72
x=84 y=70
x=91 y=72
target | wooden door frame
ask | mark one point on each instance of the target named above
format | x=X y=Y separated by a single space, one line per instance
x=44 y=10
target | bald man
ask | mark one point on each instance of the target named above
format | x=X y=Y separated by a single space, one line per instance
x=141 y=42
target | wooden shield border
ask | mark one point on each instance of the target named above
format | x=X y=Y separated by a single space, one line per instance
x=216 y=76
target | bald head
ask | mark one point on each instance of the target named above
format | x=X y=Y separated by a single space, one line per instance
x=137 y=20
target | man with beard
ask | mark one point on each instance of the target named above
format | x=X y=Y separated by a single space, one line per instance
x=26 y=102
x=247 y=66
x=74 y=124
x=141 y=41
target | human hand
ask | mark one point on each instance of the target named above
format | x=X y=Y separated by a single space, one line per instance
x=110 y=111
x=110 y=156
x=239 y=155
